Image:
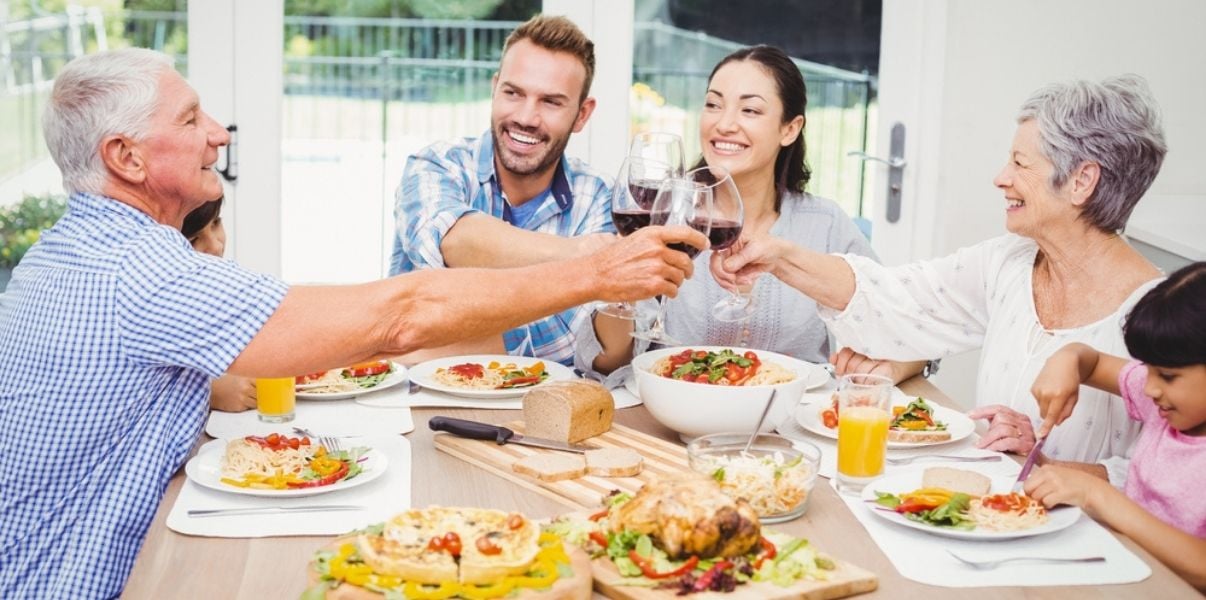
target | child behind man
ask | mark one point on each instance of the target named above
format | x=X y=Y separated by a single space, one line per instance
x=203 y=229
x=1163 y=508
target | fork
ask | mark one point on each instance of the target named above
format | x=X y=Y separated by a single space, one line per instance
x=331 y=443
x=992 y=564
x=905 y=460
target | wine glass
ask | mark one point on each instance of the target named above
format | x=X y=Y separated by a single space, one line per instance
x=680 y=201
x=666 y=148
x=631 y=199
x=728 y=217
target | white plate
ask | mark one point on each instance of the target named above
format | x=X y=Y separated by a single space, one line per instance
x=205 y=469
x=394 y=378
x=957 y=423
x=424 y=374
x=898 y=483
x=816 y=375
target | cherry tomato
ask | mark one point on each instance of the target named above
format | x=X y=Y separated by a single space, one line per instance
x=486 y=546
x=435 y=544
x=300 y=379
x=829 y=418
x=294 y=443
x=452 y=543
x=515 y=521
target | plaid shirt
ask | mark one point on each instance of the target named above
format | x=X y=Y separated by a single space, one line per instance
x=445 y=181
x=110 y=331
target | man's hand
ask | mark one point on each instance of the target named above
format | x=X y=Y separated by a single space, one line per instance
x=230 y=393
x=590 y=243
x=1008 y=429
x=641 y=265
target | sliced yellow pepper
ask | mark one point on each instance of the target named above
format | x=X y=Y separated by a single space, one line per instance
x=447 y=589
x=498 y=590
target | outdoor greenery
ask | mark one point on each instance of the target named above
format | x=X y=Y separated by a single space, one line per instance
x=22 y=224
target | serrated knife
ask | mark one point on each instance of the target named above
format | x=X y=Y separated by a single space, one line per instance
x=499 y=434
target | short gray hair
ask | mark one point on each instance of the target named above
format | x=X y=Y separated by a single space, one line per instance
x=95 y=96
x=1114 y=123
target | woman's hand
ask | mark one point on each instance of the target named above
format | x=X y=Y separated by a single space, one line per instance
x=1053 y=485
x=742 y=263
x=1008 y=429
x=230 y=393
x=1056 y=388
x=846 y=361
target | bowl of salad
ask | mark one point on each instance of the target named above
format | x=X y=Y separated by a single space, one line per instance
x=701 y=390
x=775 y=475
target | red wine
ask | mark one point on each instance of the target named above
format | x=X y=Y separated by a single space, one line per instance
x=628 y=221
x=724 y=233
x=644 y=192
x=699 y=224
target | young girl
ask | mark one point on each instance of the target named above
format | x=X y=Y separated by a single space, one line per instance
x=1164 y=506
x=203 y=229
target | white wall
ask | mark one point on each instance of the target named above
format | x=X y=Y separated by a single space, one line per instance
x=998 y=52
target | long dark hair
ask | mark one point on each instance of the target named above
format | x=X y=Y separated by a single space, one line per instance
x=200 y=218
x=791 y=167
x=1167 y=327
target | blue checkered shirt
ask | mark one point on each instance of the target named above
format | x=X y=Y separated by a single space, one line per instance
x=445 y=181
x=110 y=332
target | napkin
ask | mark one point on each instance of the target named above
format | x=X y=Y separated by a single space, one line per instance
x=923 y=557
x=381 y=498
x=399 y=398
x=322 y=417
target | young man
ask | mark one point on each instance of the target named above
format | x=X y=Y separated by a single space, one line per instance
x=113 y=326
x=510 y=197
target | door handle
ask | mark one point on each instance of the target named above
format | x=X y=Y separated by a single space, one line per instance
x=231 y=171
x=896 y=164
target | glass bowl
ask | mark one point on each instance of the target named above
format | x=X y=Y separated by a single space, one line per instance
x=775 y=476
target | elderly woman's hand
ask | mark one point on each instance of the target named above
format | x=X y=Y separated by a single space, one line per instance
x=847 y=361
x=1008 y=429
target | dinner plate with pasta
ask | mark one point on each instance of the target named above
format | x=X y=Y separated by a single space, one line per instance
x=281 y=466
x=488 y=375
x=349 y=382
x=962 y=504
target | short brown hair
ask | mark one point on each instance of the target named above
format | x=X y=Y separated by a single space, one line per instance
x=557 y=34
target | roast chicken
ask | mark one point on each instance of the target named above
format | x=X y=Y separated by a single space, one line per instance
x=687 y=515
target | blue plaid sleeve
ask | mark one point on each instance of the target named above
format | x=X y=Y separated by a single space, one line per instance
x=433 y=195
x=183 y=308
x=592 y=192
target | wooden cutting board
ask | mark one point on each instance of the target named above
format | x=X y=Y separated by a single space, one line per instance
x=846 y=580
x=661 y=458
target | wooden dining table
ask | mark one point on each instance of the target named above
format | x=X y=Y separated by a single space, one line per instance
x=171 y=565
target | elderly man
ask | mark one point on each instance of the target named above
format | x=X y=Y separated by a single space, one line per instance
x=510 y=197
x=113 y=326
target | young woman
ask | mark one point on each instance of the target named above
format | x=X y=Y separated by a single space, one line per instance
x=752 y=125
x=1165 y=389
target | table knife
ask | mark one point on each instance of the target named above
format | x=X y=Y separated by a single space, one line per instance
x=500 y=435
x=1028 y=465
x=258 y=510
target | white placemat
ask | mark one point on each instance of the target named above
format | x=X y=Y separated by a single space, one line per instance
x=924 y=559
x=381 y=499
x=399 y=398
x=329 y=417
x=791 y=428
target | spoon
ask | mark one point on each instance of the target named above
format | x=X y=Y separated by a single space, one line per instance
x=758 y=427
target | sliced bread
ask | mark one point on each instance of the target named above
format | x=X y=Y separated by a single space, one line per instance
x=956 y=480
x=614 y=462
x=551 y=467
x=917 y=437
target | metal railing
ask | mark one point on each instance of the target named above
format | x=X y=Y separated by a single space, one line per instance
x=378 y=80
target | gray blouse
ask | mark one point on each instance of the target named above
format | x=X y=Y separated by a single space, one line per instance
x=784 y=321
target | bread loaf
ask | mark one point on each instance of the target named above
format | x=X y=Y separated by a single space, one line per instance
x=956 y=480
x=614 y=462
x=567 y=411
x=551 y=466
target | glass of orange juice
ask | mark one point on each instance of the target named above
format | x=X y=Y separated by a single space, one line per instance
x=864 y=412
x=275 y=398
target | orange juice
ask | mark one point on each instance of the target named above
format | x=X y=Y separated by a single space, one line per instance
x=862 y=441
x=275 y=399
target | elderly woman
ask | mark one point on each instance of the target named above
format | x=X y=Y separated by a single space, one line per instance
x=1082 y=156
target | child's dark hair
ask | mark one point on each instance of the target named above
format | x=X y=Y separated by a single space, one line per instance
x=1167 y=327
x=200 y=218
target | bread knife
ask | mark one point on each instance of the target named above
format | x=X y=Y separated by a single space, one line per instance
x=498 y=434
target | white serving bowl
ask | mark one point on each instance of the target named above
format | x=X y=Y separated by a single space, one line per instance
x=695 y=409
